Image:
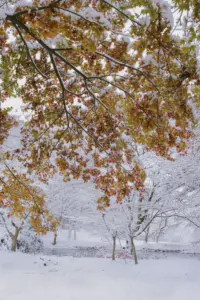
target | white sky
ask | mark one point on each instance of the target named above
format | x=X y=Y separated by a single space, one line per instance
x=16 y=104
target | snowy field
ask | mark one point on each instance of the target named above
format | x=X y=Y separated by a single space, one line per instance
x=26 y=277
x=166 y=271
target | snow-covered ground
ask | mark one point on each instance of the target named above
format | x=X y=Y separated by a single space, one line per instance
x=164 y=272
x=26 y=277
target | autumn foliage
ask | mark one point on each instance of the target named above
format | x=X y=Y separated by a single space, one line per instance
x=24 y=202
x=99 y=77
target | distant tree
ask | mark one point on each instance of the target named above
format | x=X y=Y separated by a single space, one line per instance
x=73 y=204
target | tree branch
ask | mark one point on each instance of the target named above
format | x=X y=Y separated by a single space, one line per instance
x=29 y=54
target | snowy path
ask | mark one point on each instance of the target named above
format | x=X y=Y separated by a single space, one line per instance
x=24 y=277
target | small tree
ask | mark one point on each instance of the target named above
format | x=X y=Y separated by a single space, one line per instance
x=22 y=203
x=111 y=226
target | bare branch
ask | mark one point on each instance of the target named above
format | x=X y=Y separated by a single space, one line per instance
x=29 y=54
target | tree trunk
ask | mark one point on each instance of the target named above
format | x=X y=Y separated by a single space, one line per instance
x=133 y=250
x=14 y=239
x=147 y=234
x=75 y=233
x=55 y=239
x=69 y=233
x=114 y=247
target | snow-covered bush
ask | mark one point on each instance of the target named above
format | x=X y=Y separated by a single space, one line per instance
x=5 y=241
x=28 y=242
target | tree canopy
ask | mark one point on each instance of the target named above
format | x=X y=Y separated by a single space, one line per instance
x=97 y=77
